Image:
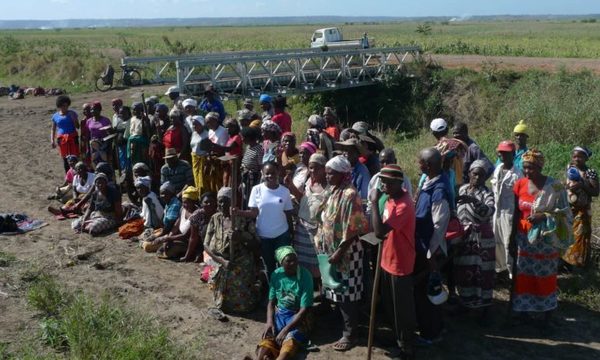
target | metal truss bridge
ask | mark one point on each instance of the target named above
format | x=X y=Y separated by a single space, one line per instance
x=292 y=71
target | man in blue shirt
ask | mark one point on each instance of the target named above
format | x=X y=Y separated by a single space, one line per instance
x=212 y=103
x=352 y=149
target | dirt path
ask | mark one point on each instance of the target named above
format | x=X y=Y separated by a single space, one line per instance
x=173 y=293
x=477 y=62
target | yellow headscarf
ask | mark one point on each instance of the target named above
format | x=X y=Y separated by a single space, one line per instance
x=534 y=156
x=190 y=193
x=256 y=124
x=521 y=128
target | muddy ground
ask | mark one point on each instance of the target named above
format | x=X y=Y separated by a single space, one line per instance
x=173 y=293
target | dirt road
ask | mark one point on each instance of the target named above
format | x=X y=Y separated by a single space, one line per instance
x=477 y=62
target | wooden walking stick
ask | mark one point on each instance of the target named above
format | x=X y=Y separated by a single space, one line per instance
x=374 y=300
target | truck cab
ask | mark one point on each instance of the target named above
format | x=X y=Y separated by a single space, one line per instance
x=325 y=36
x=332 y=37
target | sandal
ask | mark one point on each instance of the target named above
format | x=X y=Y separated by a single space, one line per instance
x=217 y=314
x=343 y=344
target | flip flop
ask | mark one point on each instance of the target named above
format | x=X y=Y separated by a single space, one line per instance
x=217 y=314
x=343 y=344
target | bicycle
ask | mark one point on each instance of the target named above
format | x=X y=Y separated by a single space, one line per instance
x=130 y=76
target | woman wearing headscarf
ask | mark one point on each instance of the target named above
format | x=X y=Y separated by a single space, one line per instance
x=306 y=150
x=251 y=162
x=199 y=220
x=341 y=222
x=317 y=135
x=232 y=243
x=290 y=299
x=174 y=245
x=64 y=130
x=83 y=183
x=177 y=136
x=310 y=196
x=582 y=186
x=474 y=259
x=152 y=209
x=271 y=134
x=543 y=230
x=105 y=212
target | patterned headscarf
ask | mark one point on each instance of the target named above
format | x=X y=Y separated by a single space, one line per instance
x=479 y=164
x=534 y=156
x=269 y=125
x=282 y=252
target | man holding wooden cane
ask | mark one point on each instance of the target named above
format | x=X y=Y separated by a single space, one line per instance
x=397 y=227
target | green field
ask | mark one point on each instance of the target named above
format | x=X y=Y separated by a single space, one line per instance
x=72 y=58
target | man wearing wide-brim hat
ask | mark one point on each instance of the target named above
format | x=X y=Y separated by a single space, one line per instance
x=176 y=171
x=352 y=149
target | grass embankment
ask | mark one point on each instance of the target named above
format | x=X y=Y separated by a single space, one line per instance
x=73 y=58
x=76 y=325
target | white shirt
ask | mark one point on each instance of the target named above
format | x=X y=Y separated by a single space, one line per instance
x=219 y=136
x=136 y=126
x=195 y=143
x=158 y=208
x=272 y=204
x=85 y=188
x=502 y=183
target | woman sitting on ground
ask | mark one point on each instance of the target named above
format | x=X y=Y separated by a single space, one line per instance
x=232 y=244
x=290 y=299
x=170 y=215
x=105 y=212
x=83 y=182
x=200 y=219
x=63 y=191
x=152 y=209
x=174 y=245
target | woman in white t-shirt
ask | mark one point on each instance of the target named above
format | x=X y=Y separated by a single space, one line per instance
x=271 y=204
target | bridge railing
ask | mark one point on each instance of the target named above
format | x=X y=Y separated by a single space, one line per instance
x=250 y=73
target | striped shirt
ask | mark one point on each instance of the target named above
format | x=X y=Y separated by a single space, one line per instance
x=252 y=160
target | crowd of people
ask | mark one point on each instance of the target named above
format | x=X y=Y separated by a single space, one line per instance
x=275 y=216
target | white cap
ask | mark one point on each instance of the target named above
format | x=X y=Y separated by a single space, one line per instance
x=438 y=125
x=189 y=102
x=440 y=298
x=172 y=89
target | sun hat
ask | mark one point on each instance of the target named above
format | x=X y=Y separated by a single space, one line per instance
x=170 y=153
x=506 y=145
x=438 y=125
x=351 y=143
x=361 y=127
x=172 y=89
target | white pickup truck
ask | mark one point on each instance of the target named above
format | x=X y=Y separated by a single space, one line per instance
x=331 y=38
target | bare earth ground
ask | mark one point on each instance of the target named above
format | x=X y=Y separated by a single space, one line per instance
x=173 y=293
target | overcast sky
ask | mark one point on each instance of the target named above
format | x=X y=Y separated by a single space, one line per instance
x=81 y=9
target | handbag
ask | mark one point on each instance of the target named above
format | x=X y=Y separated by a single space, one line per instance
x=329 y=275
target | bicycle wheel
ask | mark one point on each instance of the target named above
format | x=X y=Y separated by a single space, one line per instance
x=135 y=79
x=102 y=86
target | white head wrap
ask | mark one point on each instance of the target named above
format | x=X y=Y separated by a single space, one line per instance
x=339 y=164
x=224 y=192
x=141 y=166
x=143 y=181
x=189 y=102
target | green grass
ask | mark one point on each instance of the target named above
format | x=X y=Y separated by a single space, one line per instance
x=582 y=288
x=81 y=327
x=31 y=57
x=6 y=259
